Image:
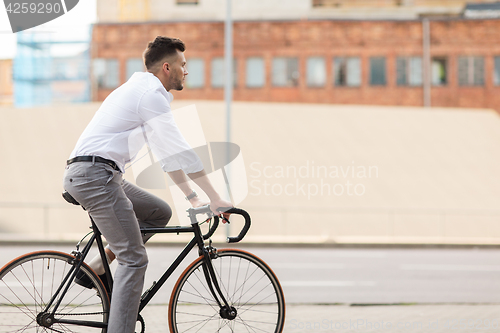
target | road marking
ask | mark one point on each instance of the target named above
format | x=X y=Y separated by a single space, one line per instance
x=444 y=267
x=361 y=254
x=328 y=283
x=306 y=265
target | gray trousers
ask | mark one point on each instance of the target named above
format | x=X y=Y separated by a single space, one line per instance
x=119 y=208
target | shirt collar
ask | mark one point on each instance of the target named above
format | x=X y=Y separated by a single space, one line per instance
x=168 y=94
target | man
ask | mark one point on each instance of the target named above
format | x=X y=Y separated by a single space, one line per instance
x=94 y=172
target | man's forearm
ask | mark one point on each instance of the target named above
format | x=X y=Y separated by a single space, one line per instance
x=200 y=178
x=179 y=178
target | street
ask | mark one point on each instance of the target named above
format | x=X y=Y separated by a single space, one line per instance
x=352 y=276
x=367 y=290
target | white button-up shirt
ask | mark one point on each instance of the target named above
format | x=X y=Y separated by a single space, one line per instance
x=135 y=113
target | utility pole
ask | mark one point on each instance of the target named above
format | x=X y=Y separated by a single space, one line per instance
x=228 y=88
x=426 y=57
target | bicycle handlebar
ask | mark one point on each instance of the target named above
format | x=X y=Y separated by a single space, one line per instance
x=206 y=209
x=243 y=231
x=212 y=230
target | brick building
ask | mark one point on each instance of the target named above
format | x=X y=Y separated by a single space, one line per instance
x=6 y=85
x=316 y=59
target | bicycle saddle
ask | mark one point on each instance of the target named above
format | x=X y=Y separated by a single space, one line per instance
x=69 y=198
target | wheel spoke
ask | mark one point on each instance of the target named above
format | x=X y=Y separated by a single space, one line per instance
x=32 y=296
x=14 y=305
x=200 y=322
x=201 y=296
x=254 y=328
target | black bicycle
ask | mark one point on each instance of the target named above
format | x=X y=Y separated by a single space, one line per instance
x=223 y=290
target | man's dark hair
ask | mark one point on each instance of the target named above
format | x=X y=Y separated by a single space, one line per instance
x=161 y=48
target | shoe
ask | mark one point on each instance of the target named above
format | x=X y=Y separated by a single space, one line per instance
x=83 y=280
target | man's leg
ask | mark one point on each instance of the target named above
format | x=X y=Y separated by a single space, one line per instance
x=100 y=190
x=150 y=211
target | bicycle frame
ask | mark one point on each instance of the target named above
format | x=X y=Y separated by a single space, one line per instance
x=197 y=240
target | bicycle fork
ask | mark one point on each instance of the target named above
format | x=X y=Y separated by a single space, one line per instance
x=226 y=311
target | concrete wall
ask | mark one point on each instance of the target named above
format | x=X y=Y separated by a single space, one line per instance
x=315 y=173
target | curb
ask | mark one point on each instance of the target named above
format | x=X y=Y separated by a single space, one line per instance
x=39 y=242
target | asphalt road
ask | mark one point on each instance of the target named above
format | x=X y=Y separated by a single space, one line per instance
x=353 y=276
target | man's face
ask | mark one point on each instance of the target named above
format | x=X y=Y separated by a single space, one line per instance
x=177 y=72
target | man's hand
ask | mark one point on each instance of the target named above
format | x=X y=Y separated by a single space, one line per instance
x=197 y=202
x=218 y=203
x=201 y=179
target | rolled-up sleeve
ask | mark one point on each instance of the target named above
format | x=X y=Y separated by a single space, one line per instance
x=163 y=135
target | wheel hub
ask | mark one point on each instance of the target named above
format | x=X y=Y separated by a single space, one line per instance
x=228 y=313
x=45 y=319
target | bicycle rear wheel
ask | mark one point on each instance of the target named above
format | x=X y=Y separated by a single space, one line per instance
x=27 y=285
x=248 y=285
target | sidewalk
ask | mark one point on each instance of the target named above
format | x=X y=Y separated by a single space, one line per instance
x=385 y=318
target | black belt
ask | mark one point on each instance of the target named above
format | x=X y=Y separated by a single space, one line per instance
x=93 y=159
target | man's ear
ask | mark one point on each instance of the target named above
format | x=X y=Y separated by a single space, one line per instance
x=166 y=67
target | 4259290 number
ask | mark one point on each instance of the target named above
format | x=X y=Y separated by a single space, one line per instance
x=26 y=7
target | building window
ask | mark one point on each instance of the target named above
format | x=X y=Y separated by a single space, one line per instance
x=409 y=71
x=496 y=74
x=106 y=73
x=439 y=71
x=256 y=72
x=316 y=72
x=377 y=71
x=218 y=70
x=187 y=2
x=470 y=71
x=285 y=72
x=347 y=71
x=134 y=65
x=196 y=73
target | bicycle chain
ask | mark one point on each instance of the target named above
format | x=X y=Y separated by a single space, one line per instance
x=79 y=314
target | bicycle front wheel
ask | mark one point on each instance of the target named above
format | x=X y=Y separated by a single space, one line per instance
x=27 y=285
x=249 y=286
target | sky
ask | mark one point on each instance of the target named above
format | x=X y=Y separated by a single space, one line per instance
x=83 y=14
